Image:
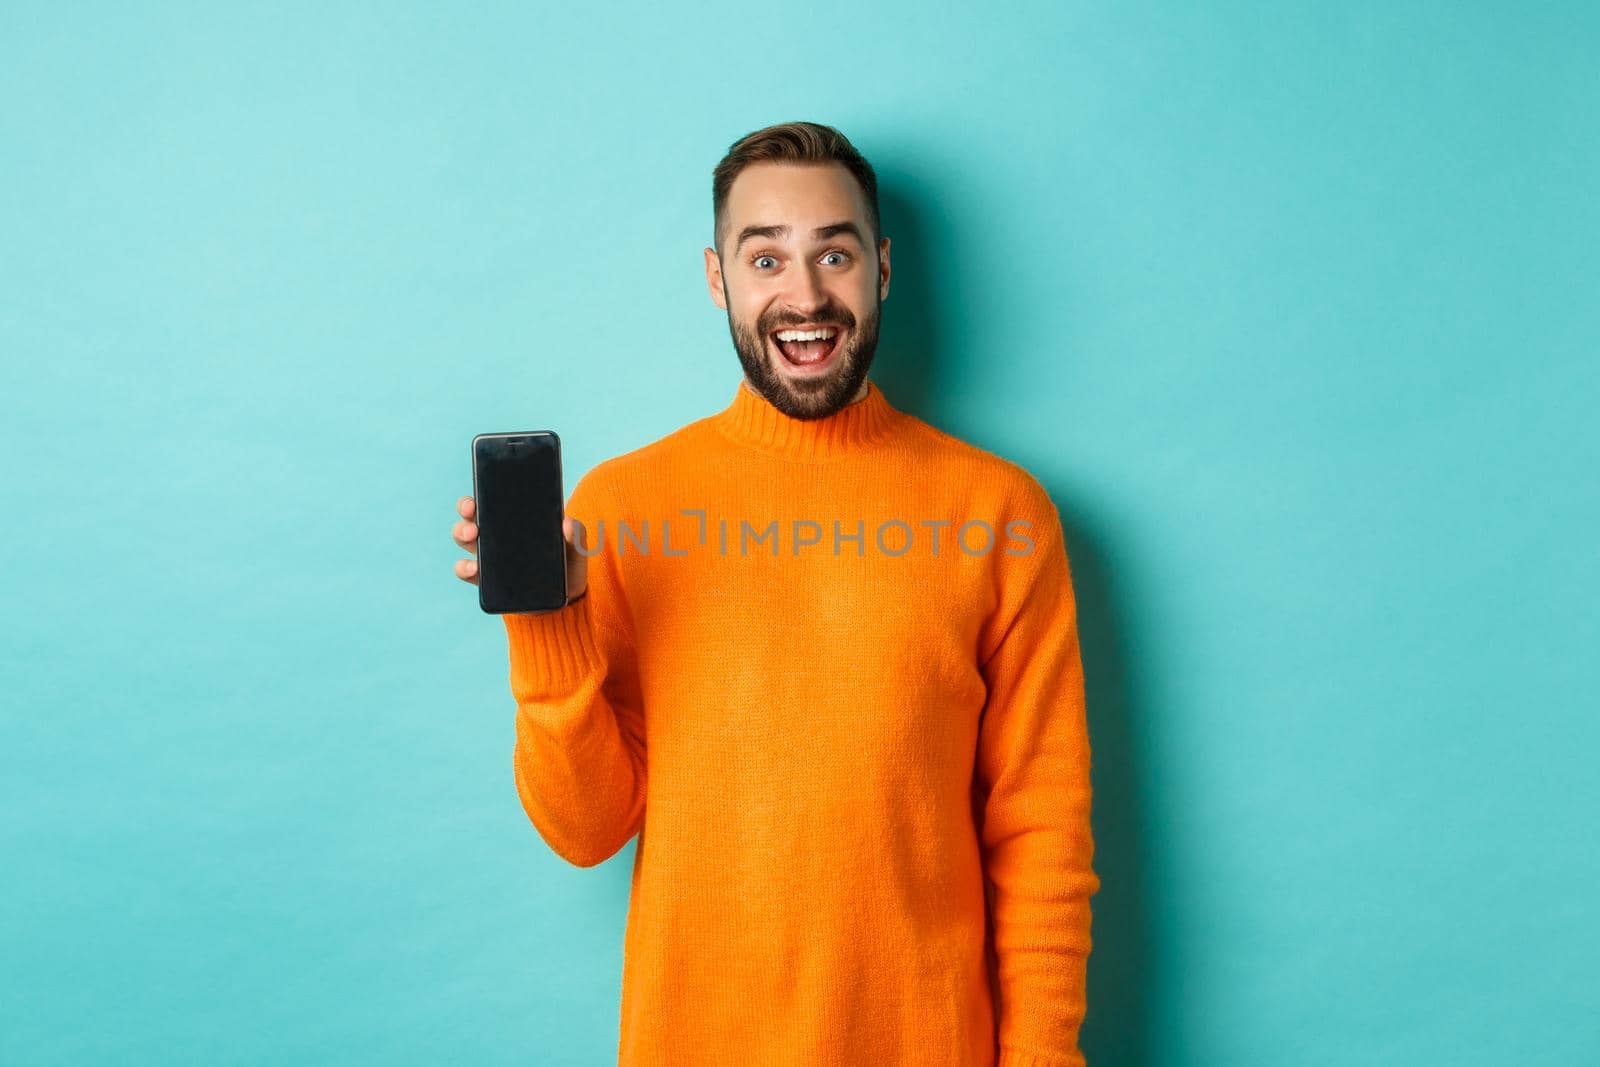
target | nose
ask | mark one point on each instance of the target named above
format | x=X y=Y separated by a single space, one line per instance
x=807 y=292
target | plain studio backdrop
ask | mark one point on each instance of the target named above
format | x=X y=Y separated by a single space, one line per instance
x=1294 y=309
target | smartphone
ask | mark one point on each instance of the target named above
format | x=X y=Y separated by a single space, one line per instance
x=522 y=556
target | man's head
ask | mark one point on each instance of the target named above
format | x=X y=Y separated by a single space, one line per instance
x=797 y=243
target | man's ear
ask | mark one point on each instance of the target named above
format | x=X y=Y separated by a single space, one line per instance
x=714 y=278
x=883 y=269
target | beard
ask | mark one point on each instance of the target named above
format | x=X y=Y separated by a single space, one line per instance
x=808 y=398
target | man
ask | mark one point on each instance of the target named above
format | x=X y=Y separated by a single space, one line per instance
x=827 y=669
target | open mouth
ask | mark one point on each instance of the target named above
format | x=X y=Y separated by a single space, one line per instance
x=809 y=355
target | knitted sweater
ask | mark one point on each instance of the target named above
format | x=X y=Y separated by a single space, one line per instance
x=847 y=725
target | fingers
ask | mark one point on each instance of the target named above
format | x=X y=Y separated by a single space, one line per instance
x=465 y=535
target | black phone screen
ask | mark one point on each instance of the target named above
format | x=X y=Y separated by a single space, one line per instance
x=522 y=559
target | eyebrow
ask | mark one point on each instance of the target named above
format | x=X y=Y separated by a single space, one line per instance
x=820 y=233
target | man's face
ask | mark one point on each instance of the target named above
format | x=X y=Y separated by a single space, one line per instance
x=796 y=252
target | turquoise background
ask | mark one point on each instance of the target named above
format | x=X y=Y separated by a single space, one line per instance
x=1294 y=308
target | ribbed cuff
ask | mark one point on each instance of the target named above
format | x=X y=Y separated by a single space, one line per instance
x=1016 y=1057
x=553 y=650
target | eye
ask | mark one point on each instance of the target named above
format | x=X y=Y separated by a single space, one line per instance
x=836 y=252
x=757 y=261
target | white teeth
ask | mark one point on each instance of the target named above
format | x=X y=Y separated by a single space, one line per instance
x=805 y=335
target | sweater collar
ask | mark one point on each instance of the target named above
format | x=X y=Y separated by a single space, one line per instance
x=751 y=419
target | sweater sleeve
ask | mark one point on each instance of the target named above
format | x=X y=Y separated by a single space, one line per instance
x=1032 y=789
x=580 y=740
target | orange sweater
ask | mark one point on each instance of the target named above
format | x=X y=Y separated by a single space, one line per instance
x=848 y=727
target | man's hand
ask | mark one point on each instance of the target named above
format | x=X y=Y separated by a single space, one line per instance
x=465 y=534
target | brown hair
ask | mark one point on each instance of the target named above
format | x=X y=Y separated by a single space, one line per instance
x=792 y=142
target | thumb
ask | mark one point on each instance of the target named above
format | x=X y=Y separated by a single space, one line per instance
x=577 y=562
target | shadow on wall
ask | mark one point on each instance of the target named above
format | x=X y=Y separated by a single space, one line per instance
x=1122 y=966
x=925 y=284
x=909 y=358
